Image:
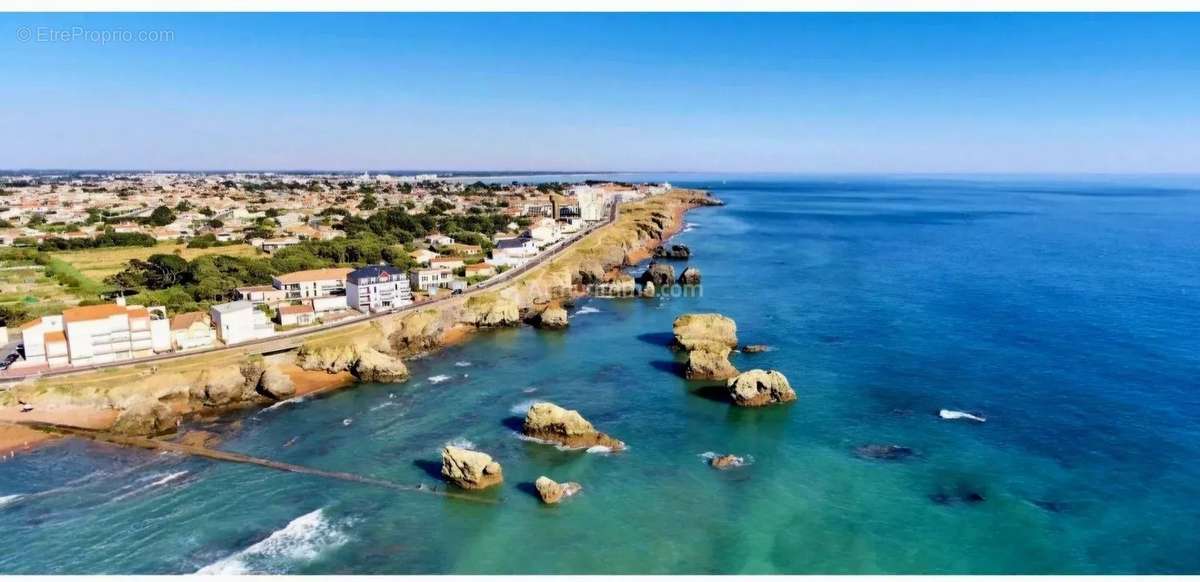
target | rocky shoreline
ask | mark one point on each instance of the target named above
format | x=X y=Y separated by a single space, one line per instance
x=154 y=400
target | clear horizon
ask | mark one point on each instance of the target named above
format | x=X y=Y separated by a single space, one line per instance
x=648 y=93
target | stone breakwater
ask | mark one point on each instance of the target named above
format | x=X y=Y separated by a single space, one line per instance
x=151 y=399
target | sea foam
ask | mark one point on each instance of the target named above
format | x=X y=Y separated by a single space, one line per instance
x=958 y=414
x=438 y=379
x=301 y=540
x=462 y=364
x=6 y=499
x=522 y=407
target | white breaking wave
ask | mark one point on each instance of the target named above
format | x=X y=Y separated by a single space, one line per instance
x=958 y=414
x=599 y=450
x=6 y=499
x=384 y=405
x=161 y=480
x=586 y=309
x=301 y=540
x=689 y=226
x=462 y=364
x=295 y=400
x=438 y=379
x=530 y=390
x=594 y=449
x=522 y=407
x=461 y=443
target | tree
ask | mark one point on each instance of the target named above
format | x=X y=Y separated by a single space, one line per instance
x=162 y=216
x=368 y=203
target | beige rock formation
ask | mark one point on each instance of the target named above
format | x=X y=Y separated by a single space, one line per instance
x=146 y=418
x=274 y=384
x=470 y=469
x=648 y=290
x=553 y=492
x=553 y=317
x=760 y=388
x=553 y=423
x=723 y=462
x=708 y=339
x=690 y=276
x=375 y=366
x=709 y=363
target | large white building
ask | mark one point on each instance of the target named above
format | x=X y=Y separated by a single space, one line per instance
x=96 y=334
x=430 y=279
x=240 y=321
x=314 y=283
x=377 y=288
x=514 y=252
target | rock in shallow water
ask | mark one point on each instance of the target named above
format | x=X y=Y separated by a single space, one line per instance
x=690 y=276
x=552 y=492
x=553 y=317
x=660 y=274
x=146 y=418
x=755 y=348
x=884 y=452
x=674 y=252
x=723 y=462
x=760 y=388
x=550 y=422
x=470 y=469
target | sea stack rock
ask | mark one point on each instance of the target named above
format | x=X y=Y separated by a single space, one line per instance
x=274 y=384
x=470 y=469
x=690 y=276
x=680 y=252
x=550 y=422
x=553 y=317
x=760 y=388
x=552 y=492
x=621 y=285
x=648 y=290
x=375 y=366
x=708 y=338
x=662 y=275
x=755 y=348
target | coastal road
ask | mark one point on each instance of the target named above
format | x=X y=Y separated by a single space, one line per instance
x=291 y=340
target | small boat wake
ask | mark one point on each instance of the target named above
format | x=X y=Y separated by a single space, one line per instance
x=302 y=540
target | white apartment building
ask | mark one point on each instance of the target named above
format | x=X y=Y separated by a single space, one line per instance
x=514 y=252
x=96 y=334
x=378 y=288
x=430 y=279
x=240 y=321
x=314 y=283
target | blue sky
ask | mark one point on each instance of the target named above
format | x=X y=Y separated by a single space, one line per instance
x=660 y=92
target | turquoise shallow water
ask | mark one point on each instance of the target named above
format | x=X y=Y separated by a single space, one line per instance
x=1064 y=310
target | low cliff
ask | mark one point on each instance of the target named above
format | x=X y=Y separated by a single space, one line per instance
x=373 y=351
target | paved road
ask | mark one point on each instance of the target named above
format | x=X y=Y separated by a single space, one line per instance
x=292 y=339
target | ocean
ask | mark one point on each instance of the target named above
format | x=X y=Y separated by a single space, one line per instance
x=1063 y=310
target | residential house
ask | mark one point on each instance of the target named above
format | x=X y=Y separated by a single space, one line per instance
x=296 y=315
x=545 y=231
x=514 y=252
x=430 y=279
x=271 y=245
x=331 y=303
x=377 y=288
x=259 y=294
x=422 y=256
x=314 y=283
x=464 y=250
x=192 y=331
x=480 y=270
x=439 y=240
x=445 y=263
x=240 y=321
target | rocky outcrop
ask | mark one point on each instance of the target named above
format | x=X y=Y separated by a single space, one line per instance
x=723 y=462
x=415 y=332
x=622 y=285
x=552 y=317
x=708 y=339
x=218 y=386
x=470 y=469
x=553 y=423
x=690 y=276
x=375 y=366
x=679 y=252
x=553 y=492
x=274 y=384
x=704 y=330
x=755 y=348
x=366 y=363
x=648 y=290
x=590 y=271
x=661 y=274
x=146 y=418
x=491 y=310
x=760 y=388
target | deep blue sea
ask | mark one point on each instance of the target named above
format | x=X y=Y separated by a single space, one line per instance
x=1064 y=310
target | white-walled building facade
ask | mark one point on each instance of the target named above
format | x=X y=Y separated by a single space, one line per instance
x=378 y=288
